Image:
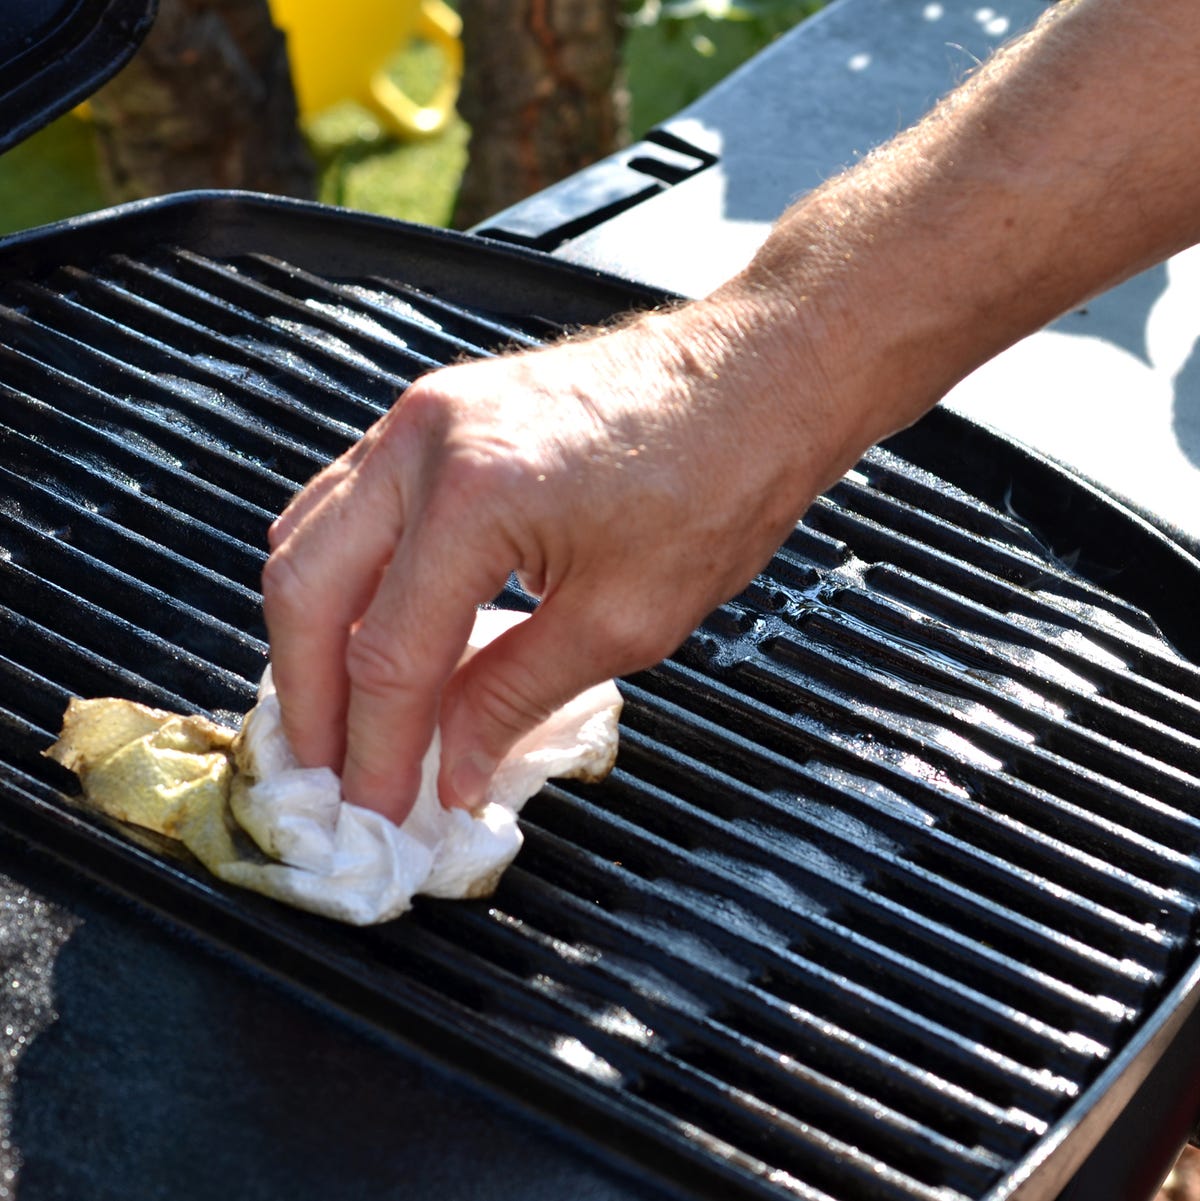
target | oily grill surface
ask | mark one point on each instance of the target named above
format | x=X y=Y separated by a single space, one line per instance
x=896 y=860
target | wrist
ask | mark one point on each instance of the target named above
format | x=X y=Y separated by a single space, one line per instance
x=764 y=371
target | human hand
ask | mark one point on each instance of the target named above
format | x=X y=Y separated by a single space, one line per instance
x=633 y=479
x=638 y=478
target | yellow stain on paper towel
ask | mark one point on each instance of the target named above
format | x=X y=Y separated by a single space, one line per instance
x=172 y=774
x=145 y=765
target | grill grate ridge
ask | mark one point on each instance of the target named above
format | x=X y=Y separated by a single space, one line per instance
x=831 y=797
x=768 y=910
x=775 y=686
x=1031 y=762
x=1008 y=597
x=746 y=1010
x=829 y=810
x=121 y=464
x=523 y=952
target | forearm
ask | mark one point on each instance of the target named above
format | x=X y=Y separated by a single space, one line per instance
x=1067 y=163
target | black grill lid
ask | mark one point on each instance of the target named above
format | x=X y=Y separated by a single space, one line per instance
x=56 y=53
x=895 y=875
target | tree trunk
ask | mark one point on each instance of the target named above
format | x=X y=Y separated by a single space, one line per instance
x=207 y=102
x=541 y=92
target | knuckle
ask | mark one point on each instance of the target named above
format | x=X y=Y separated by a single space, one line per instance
x=631 y=640
x=466 y=445
x=376 y=668
x=422 y=404
x=434 y=403
x=509 y=702
x=277 y=532
x=283 y=589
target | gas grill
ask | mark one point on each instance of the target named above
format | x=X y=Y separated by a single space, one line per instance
x=892 y=893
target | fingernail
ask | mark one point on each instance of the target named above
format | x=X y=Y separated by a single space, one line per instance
x=469 y=779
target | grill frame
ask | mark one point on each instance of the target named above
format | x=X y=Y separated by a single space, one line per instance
x=478 y=273
x=62 y=56
x=331 y=242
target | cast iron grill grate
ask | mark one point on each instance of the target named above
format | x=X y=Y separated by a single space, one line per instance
x=896 y=854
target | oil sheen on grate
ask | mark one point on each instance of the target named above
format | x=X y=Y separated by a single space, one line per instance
x=894 y=857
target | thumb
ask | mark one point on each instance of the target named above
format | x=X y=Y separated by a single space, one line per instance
x=514 y=683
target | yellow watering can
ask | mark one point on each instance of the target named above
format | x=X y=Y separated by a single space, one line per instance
x=339 y=52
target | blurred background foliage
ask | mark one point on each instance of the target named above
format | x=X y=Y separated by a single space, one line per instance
x=673 y=51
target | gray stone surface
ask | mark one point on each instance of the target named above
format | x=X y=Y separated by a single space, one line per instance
x=811 y=104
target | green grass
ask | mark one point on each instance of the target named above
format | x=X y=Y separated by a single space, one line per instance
x=668 y=64
x=362 y=168
x=50 y=176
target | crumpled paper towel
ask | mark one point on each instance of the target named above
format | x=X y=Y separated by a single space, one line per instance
x=255 y=818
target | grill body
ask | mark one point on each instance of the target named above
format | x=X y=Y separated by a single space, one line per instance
x=891 y=894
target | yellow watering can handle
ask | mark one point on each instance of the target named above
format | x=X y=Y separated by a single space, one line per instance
x=442 y=26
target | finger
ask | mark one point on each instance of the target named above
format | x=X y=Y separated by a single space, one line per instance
x=316 y=585
x=308 y=499
x=404 y=649
x=516 y=682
